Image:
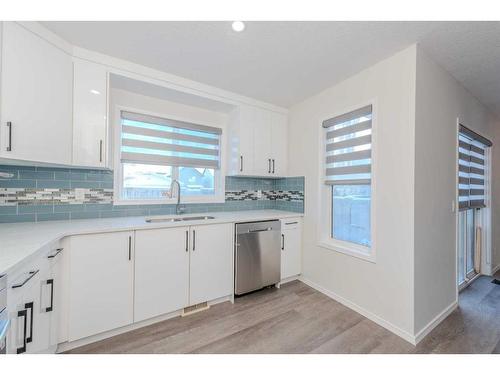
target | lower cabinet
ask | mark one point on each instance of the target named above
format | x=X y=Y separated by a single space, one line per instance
x=211 y=270
x=180 y=267
x=161 y=271
x=291 y=239
x=32 y=306
x=101 y=283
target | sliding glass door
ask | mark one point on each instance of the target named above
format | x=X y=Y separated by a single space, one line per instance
x=466 y=245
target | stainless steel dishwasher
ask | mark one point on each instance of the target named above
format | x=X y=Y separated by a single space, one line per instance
x=258 y=255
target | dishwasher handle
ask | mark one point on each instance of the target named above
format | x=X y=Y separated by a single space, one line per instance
x=259 y=230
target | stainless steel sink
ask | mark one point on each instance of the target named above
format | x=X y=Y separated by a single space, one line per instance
x=176 y=219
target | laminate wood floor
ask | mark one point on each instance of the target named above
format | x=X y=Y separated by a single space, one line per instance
x=298 y=319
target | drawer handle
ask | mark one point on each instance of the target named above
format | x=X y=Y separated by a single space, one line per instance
x=30 y=276
x=291 y=223
x=55 y=253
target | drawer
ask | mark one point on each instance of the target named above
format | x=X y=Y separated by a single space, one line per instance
x=287 y=224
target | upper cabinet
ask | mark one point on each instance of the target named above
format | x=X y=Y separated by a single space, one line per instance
x=257 y=142
x=90 y=87
x=36 y=98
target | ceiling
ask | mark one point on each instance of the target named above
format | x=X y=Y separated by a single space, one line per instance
x=285 y=62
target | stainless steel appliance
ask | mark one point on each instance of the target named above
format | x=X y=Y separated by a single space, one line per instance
x=4 y=318
x=258 y=255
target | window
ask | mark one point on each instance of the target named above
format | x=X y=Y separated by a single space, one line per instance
x=348 y=160
x=155 y=151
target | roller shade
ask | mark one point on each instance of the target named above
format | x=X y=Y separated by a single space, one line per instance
x=471 y=169
x=154 y=140
x=348 y=147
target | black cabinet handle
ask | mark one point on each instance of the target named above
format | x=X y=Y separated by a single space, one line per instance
x=100 y=151
x=241 y=163
x=30 y=276
x=269 y=166
x=9 y=147
x=129 y=247
x=55 y=253
x=51 y=283
x=187 y=241
x=194 y=240
x=23 y=314
x=282 y=242
x=273 y=165
x=29 y=305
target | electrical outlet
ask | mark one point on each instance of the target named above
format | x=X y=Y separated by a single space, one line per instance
x=259 y=194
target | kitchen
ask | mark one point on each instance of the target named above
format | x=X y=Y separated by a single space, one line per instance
x=153 y=201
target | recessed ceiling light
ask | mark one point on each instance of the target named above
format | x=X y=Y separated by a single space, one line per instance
x=238 y=26
x=95 y=92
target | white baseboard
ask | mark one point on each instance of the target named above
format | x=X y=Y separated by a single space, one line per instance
x=375 y=318
x=434 y=322
x=495 y=269
x=65 y=346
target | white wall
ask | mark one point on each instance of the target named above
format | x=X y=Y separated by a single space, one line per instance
x=440 y=100
x=383 y=290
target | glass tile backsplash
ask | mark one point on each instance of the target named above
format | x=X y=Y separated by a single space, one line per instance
x=29 y=194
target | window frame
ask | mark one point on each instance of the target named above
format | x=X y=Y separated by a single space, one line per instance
x=219 y=180
x=325 y=196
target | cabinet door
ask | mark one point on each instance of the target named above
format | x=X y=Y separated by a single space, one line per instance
x=161 y=271
x=36 y=98
x=240 y=143
x=291 y=237
x=211 y=274
x=262 y=143
x=89 y=114
x=279 y=139
x=101 y=269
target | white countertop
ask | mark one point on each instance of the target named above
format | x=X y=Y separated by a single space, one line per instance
x=21 y=241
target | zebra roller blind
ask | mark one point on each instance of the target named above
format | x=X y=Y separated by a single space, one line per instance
x=471 y=169
x=154 y=140
x=348 y=153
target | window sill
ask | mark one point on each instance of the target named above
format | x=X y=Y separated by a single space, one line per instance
x=349 y=249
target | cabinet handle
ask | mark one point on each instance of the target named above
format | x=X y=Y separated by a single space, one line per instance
x=55 y=253
x=51 y=307
x=129 y=247
x=269 y=166
x=9 y=147
x=282 y=242
x=291 y=222
x=100 y=151
x=241 y=163
x=30 y=276
x=273 y=165
x=194 y=240
x=29 y=305
x=187 y=241
x=23 y=314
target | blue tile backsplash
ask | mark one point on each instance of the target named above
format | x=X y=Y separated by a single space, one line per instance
x=40 y=194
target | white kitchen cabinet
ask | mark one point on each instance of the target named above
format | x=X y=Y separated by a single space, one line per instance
x=101 y=283
x=279 y=140
x=257 y=142
x=291 y=240
x=211 y=265
x=90 y=88
x=262 y=152
x=161 y=271
x=36 y=98
x=30 y=330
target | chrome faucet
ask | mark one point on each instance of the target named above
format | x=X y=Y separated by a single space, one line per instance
x=179 y=208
